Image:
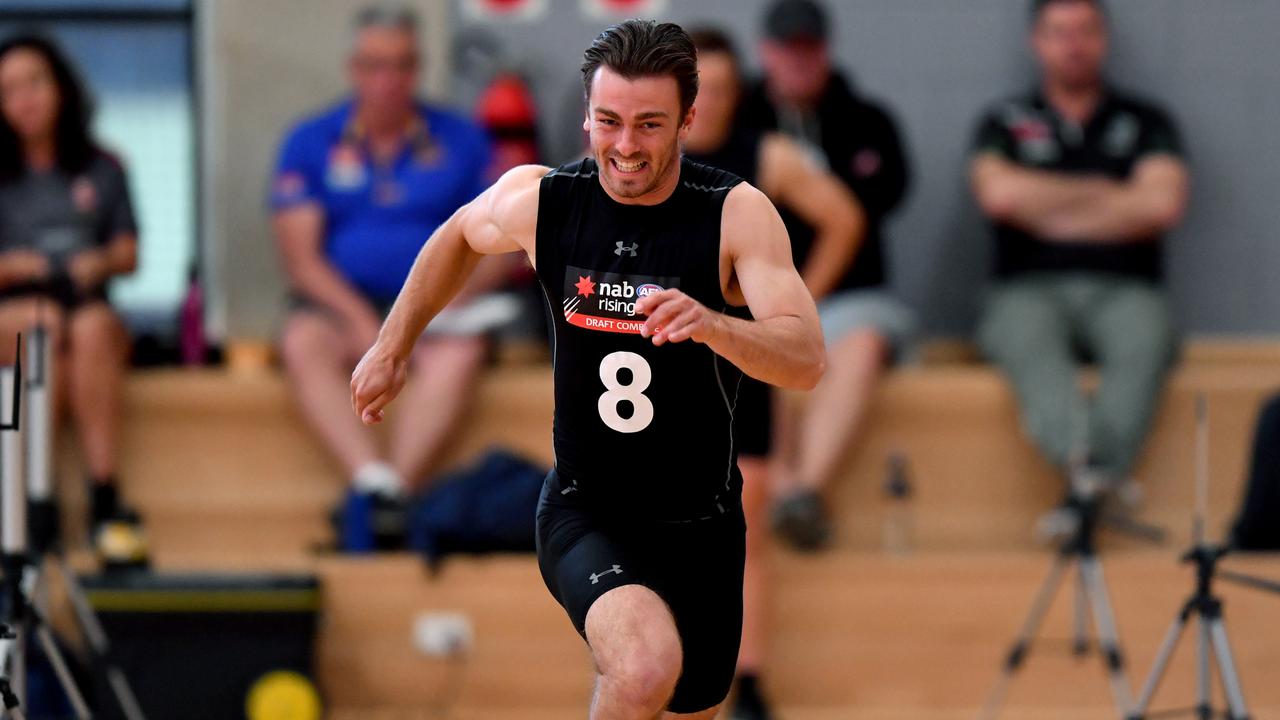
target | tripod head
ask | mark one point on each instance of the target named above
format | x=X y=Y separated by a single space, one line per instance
x=1088 y=505
x=1205 y=555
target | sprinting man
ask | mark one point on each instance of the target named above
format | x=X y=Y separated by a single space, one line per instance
x=640 y=253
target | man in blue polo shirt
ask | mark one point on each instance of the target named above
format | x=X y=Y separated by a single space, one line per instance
x=358 y=189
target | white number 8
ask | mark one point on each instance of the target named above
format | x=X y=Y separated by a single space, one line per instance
x=641 y=376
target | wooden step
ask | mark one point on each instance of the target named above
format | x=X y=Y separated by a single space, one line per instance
x=854 y=633
x=208 y=447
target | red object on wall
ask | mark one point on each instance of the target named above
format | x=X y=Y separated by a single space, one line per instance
x=507 y=109
x=605 y=9
x=505 y=9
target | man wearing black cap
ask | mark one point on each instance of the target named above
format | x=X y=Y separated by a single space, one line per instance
x=803 y=96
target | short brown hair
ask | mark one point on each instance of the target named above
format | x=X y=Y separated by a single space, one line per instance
x=1038 y=7
x=714 y=40
x=642 y=48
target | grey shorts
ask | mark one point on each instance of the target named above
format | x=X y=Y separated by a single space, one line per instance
x=846 y=311
x=480 y=316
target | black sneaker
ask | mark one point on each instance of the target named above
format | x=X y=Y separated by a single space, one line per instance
x=750 y=703
x=389 y=519
x=801 y=519
x=43 y=525
x=370 y=522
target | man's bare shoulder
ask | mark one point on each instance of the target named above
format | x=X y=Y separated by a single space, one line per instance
x=521 y=178
x=745 y=206
x=513 y=199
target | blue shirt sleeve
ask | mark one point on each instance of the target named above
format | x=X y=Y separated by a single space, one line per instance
x=297 y=175
x=482 y=175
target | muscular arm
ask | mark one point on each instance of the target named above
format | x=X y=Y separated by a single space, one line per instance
x=783 y=344
x=823 y=202
x=1067 y=208
x=502 y=219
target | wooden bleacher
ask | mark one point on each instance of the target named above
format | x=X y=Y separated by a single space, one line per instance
x=228 y=479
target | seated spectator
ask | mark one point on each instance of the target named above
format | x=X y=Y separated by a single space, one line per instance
x=1080 y=181
x=781 y=169
x=66 y=228
x=358 y=190
x=805 y=97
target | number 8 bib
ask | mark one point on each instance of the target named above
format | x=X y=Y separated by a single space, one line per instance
x=641 y=376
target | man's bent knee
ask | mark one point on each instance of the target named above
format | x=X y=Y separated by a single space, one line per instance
x=864 y=346
x=636 y=647
x=309 y=338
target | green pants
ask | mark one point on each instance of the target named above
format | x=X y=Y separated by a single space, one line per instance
x=1040 y=328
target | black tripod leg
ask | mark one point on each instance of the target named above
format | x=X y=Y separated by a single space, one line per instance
x=1167 y=649
x=1227 y=670
x=1204 y=673
x=1080 y=643
x=1022 y=645
x=1108 y=636
x=60 y=669
x=99 y=643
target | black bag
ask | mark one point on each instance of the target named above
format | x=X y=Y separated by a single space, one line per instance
x=487 y=507
x=1257 y=527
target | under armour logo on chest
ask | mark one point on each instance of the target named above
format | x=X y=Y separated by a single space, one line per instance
x=595 y=577
x=632 y=248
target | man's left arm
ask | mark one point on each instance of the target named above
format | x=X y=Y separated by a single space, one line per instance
x=1150 y=202
x=823 y=202
x=783 y=345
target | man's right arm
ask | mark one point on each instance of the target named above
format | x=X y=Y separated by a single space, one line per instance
x=299 y=231
x=502 y=219
x=298 y=221
x=1056 y=206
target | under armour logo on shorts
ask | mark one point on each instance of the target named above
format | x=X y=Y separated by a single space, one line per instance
x=595 y=577
x=624 y=248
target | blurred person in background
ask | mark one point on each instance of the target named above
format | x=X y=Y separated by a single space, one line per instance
x=804 y=96
x=66 y=228
x=1080 y=181
x=783 y=171
x=358 y=189
x=1255 y=526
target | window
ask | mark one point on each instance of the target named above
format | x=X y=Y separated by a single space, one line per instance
x=136 y=58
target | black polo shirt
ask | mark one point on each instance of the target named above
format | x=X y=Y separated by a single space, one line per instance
x=858 y=140
x=1123 y=130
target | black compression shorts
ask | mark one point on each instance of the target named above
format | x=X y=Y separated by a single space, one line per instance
x=695 y=567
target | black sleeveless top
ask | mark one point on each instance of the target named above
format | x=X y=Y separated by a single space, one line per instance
x=644 y=430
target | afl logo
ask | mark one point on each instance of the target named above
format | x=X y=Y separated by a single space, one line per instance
x=647 y=289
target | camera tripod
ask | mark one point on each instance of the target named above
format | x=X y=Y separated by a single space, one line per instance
x=26 y=475
x=1212 y=646
x=1091 y=599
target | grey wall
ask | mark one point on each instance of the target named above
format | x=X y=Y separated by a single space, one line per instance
x=936 y=63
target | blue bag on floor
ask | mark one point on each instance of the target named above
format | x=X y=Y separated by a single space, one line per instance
x=486 y=507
